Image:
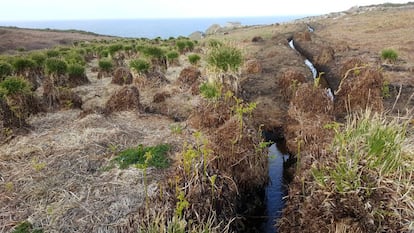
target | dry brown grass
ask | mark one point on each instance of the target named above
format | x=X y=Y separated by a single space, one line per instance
x=189 y=76
x=359 y=92
x=126 y=99
x=54 y=176
x=289 y=82
x=122 y=76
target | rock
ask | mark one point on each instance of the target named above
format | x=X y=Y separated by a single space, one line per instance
x=213 y=29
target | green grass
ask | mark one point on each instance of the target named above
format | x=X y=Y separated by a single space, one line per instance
x=26 y=227
x=368 y=144
x=389 y=55
x=210 y=91
x=136 y=156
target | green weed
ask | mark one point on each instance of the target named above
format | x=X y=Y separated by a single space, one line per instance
x=389 y=55
x=136 y=156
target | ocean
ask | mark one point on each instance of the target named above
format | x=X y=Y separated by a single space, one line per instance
x=148 y=28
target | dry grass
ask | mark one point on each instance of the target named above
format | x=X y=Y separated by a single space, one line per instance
x=54 y=176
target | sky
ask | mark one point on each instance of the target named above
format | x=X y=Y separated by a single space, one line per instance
x=24 y=10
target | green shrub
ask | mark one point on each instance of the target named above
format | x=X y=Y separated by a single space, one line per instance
x=14 y=85
x=22 y=64
x=194 y=59
x=140 y=65
x=76 y=70
x=136 y=156
x=105 y=64
x=39 y=59
x=115 y=48
x=180 y=46
x=52 y=53
x=190 y=45
x=172 y=56
x=389 y=54
x=74 y=57
x=225 y=58
x=56 y=66
x=5 y=70
x=154 y=52
x=210 y=91
x=104 y=53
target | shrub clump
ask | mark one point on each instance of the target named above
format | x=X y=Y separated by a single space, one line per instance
x=14 y=85
x=137 y=156
x=105 y=65
x=225 y=58
x=194 y=59
x=22 y=64
x=140 y=65
x=389 y=55
x=5 y=70
x=56 y=66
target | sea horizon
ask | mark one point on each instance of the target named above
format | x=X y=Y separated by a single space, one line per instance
x=148 y=28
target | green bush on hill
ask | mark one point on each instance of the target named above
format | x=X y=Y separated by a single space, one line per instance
x=225 y=58
x=140 y=65
x=56 y=66
x=5 y=70
x=105 y=64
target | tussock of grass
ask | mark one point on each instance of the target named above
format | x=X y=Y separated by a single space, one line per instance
x=372 y=160
x=137 y=156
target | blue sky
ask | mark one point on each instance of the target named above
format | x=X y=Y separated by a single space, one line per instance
x=12 y=10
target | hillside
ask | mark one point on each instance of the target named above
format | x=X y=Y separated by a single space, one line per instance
x=30 y=39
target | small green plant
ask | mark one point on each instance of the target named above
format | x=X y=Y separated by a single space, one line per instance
x=389 y=55
x=181 y=205
x=317 y=81
x=136 y=156
x=5 y=70
x=225 y=58
x=13 y=85
x=211 y=91
x=26 y=227
x=385 y=90
x=176 y=128
x=194 y=59
x=56 y=66
x=140 y=65
x=105 y=64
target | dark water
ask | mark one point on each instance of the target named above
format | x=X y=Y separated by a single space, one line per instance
x=149 y=28
x=275 y=191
